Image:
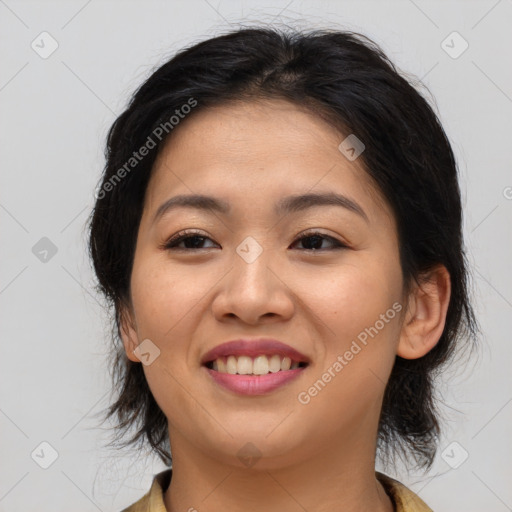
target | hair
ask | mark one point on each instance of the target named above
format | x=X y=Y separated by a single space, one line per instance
x=346 y=79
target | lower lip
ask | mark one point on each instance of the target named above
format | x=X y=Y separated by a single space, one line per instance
x=254 y=384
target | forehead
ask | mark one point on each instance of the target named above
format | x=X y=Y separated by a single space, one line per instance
x=265 y=148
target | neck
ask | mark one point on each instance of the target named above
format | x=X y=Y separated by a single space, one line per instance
x=337 y=478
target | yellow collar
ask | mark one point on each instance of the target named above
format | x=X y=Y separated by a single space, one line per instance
x=404 y=499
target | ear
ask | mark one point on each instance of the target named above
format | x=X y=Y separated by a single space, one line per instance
x=128 y=331
x=426 y=314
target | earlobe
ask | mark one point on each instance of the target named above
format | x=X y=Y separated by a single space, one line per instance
x=128 y=331
x=426 y=314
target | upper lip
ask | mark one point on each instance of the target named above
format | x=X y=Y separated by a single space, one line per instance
x=253 y=348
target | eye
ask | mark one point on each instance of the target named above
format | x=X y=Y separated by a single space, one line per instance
x=313 y=241
x=193 y=239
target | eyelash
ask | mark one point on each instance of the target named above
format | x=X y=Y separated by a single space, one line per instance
x=187 y=234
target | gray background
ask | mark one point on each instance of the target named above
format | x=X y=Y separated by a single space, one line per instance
x=55 y=114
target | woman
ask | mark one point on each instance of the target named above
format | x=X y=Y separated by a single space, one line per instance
x=278 y=228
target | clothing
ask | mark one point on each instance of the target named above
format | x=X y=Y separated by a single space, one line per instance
x=403 y=498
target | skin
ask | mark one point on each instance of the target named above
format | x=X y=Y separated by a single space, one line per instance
x=318 y=456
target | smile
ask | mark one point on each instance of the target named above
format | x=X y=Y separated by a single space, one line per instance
x=258 y=375
x=259 y=365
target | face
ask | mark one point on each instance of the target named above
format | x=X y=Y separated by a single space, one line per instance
x=324 y=279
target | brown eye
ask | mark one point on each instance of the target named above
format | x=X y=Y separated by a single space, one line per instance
x=313 y=242
x=191 y=239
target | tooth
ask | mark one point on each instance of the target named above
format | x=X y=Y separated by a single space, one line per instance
x=231 y=365
x=274 y=363
x=244 y=366
x=260 y=365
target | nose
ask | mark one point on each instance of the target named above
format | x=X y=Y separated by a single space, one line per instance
x=254 y=291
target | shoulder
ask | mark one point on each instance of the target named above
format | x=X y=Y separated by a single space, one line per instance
x=405 y=500
x=153 y=500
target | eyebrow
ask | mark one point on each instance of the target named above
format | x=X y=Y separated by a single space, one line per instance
x=286 y=205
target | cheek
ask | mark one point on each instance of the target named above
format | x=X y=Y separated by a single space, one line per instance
x=352 y=298
x=164 y=300
x=359 y=307
x=163 y=295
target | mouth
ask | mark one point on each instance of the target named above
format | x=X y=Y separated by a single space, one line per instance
x=262 y=364
x=256 y=375
x=254 y=366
